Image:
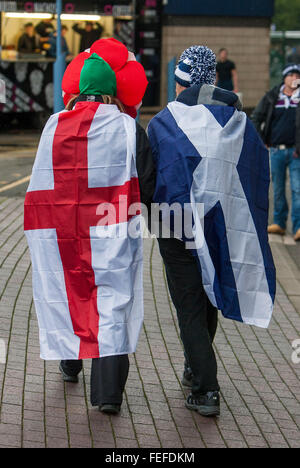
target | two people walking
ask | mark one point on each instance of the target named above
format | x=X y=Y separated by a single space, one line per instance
x=94 y=168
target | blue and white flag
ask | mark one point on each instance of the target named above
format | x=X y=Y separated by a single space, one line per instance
x=212 y=154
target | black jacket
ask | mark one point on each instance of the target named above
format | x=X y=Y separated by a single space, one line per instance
x=88 y=37
x=145 y=167
x=262 y=116
x=27 y=44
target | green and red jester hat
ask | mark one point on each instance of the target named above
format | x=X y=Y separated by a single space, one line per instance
x=130 y=75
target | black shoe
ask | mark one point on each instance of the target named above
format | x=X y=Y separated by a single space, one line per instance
x=67 y=377
x=187 y=378
x=110 y=408
x=206 y=405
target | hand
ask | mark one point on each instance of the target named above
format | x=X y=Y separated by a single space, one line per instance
x=296 y=155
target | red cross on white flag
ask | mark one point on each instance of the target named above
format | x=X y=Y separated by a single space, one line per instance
x=87 y=287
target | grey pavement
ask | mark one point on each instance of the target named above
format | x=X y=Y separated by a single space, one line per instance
x=17 y=153
x=260 y=394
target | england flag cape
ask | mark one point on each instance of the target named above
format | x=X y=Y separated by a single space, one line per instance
x=87 y=270
x=208 y=152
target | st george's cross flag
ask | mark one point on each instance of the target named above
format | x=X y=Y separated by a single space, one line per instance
x=208 y=152
x=87 y=281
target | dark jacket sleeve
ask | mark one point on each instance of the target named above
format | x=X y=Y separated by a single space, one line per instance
x=22 y=44
x=40 y=29
x=77 y=29
x=259 y=115
x=145 y=166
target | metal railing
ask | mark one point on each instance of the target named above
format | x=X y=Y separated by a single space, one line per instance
x=171 y=81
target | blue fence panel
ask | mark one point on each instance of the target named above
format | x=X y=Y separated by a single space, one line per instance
x=171 y=81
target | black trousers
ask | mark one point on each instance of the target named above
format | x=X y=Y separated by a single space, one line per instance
x=108 y=378
x=197 y=318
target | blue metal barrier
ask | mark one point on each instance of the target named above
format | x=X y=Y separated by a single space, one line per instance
x=171 y=81
x=138 y=117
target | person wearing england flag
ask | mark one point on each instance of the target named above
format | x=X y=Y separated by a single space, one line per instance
x=207 y=153
x=82 y=216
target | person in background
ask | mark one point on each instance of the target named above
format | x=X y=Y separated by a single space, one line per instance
x=27 y=43
x=91 y=33
x=44 y=29
x=277 y=119
x=227 y=77
x=51 y=43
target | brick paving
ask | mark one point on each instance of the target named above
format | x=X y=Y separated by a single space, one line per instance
x=260 y=384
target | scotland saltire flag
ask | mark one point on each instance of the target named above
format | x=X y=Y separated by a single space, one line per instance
x=210 y=153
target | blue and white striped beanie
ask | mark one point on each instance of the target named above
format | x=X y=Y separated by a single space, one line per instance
x=197 y=65
x=290 y=68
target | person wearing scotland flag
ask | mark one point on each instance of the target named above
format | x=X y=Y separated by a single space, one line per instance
x=207 y=152
x=92 y=171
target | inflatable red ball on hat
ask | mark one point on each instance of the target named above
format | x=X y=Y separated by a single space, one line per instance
x=130 y=75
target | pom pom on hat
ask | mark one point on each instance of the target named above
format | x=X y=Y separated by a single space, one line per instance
x=196 y=65
x=130 y=75
x=70 y=82
x=131 y=83
x=290 y=68
x=112 y=51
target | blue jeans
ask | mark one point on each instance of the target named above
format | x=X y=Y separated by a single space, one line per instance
x=280 y=161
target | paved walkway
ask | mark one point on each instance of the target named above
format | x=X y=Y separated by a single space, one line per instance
x=260 y=384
